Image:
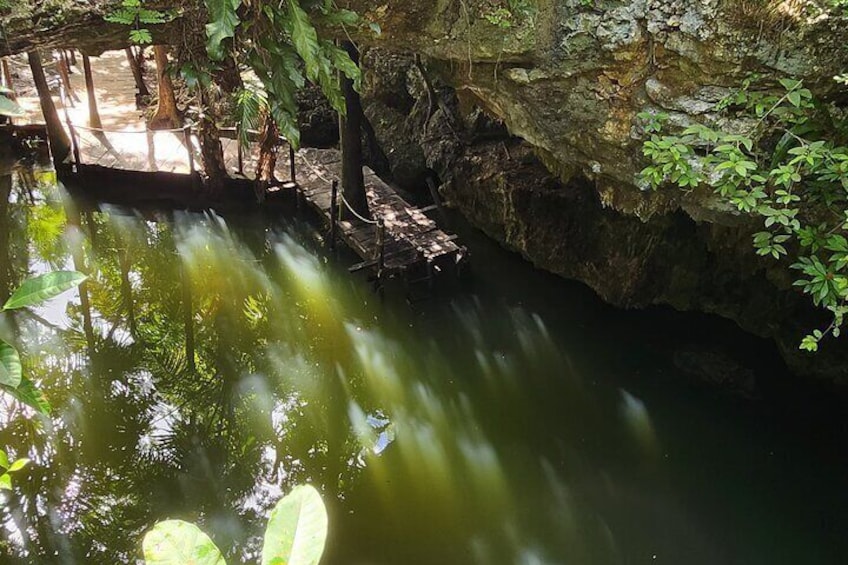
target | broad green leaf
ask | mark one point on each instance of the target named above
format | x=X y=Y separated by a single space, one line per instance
x=174 y=542
x=4 y=459
x=10 y=365
x=297 y=529
x=30 y=395
x=222 y=25
x=43 y=287
x=18 y=465
x=6 y=481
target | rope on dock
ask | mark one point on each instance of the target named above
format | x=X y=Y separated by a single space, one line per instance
x=117 y=131
x=317 y=172
x=354 y=212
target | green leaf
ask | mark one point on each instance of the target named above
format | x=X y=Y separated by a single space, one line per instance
x=795 y=98
x=141 y=36
x=30 y=395
x=10 y=366
x=297 y=529
x=222 y=25
x=18 y=465
x=4 y=460
x=6 y=481
x=43 y=287
x=174 y=542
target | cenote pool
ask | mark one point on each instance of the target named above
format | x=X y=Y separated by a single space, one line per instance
x=210 y=364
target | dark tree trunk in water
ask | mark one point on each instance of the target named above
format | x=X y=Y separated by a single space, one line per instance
x=167 y=115
x=138 y=75
x=267 y=157
x=93 y=114
x=60 y=145
x=353 y=184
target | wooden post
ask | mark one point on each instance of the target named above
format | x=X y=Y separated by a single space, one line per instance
x=74 y=144
x=334 y=212
x=64 y=75
x=7 y=74
x=291 y=163
x=240 y=154
x=381 y=250
x=187 y=134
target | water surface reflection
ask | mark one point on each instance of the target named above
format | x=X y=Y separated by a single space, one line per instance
x=208 y=365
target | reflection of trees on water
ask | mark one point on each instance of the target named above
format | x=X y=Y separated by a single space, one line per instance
x=170 y=393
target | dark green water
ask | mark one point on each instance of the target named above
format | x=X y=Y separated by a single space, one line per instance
x=210 y=364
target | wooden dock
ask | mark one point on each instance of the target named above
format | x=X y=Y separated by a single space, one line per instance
x=399 y=240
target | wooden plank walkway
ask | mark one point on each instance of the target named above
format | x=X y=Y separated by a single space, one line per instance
x=411 y=245
x=411 y=239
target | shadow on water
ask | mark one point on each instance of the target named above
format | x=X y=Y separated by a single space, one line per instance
x=516 y=419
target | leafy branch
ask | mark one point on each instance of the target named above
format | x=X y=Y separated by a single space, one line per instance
x=133 y=13
x=789 y=169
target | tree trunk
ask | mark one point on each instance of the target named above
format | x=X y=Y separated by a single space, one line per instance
x=167 y=114
x=211 y=151
x=229 y=77
x=140 y=61
x=93 y=114
x=268 y=144
x=72 y=57
x=60 y=145
x=138 y=76
x=353 y=183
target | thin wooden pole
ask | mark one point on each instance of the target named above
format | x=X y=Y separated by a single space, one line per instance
x=7 y=75
x=240 y=155
x=381 y=251
x=334 y=212
x=291 y=164
x=187 y=134
x=70 y=95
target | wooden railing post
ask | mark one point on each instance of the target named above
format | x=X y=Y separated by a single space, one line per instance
x=240 y=154
x=187 y=134
x=74 y=143
x=381 y=246
x=291 y=163
x=334 y=212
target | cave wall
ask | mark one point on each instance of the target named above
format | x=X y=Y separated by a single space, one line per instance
x=504 y=185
